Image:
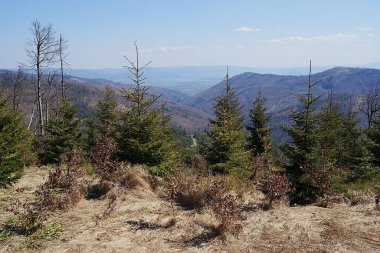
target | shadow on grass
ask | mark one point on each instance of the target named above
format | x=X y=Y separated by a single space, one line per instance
x=209 y=234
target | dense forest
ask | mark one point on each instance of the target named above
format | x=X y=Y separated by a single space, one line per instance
x=331 y=146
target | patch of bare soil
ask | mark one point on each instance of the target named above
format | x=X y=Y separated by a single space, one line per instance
x=142 y=221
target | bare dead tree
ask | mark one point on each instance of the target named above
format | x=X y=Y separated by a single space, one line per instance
x=370 y=105
x=48 y=96
x=62 y=47
x=42 y=54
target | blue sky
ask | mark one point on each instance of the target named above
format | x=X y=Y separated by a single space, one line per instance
x=199 y=32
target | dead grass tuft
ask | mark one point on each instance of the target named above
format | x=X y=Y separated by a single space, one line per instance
x=359 y=197
x=192 y=190
x=136 y=178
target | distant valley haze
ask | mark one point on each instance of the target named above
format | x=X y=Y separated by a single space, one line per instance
x=193 y=79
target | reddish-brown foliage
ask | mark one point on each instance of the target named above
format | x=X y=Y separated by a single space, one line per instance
x=227 y=209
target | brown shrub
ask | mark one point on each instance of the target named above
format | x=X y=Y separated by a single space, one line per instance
x=260 y=165
x=227 y=210
x=190 y=190
x=28 y=218
x=274 y=186
x=101 y=157
x=62 y=190
x=114 y=172
x=199 y=165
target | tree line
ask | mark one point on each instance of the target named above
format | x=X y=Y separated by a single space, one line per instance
x=327 y=149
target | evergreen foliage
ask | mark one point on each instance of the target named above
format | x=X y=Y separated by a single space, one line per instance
x=90 y=135
x=226 y=152
x=351 y=144
x=329 y=134
x=107 y=112
x=374 y=135
x=259 y=141
x=104 y=125
x=63 y=134
x=143 y=133
x=308 y=179
x=340 y=149
x=15 y=145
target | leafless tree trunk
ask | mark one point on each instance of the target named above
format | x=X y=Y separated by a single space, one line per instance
x=48 y=97
x=370 y=105
x=42 y=54
x=62 y=60
x=32 y=116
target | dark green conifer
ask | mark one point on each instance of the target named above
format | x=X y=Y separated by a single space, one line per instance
x=259 y=141
x=107 y=112
x=226 y=152
x=351 y=148
x=330 y=133
x=63 y=134
x=143 y=133
x=308 y=179
x=15 y=145
x=104 y=125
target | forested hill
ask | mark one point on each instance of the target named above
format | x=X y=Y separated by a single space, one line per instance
x=191 y=113
x=282 y=91
x=85 y=93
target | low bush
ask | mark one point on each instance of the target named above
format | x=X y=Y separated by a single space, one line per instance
x=102 y=157
x=191 y=190
x=274 y=186
x=63 y=189
x=271 y=183
x=227 y=210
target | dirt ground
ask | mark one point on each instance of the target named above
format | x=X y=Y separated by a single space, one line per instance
x=142 y=221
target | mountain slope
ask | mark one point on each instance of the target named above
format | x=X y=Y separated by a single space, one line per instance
x=86 y=92
x=282 y=91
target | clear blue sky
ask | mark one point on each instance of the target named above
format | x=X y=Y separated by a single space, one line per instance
x=252 y=33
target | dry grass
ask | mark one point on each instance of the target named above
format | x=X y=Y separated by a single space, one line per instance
x=143 y=222
x=136 y=177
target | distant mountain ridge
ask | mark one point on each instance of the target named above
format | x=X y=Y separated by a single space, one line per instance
x=282 y=91
x=186 y=79
x=85 y=93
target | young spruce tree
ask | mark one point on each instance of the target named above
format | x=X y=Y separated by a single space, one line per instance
x=374 y=136
x=63 y=134
x=107 y=112
x=226 y=152
x=307 y=178
x=259 y=141
x=143 y=133
x=104 y=125
x=15 y=145
x=330 y=133
x=351 y=148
